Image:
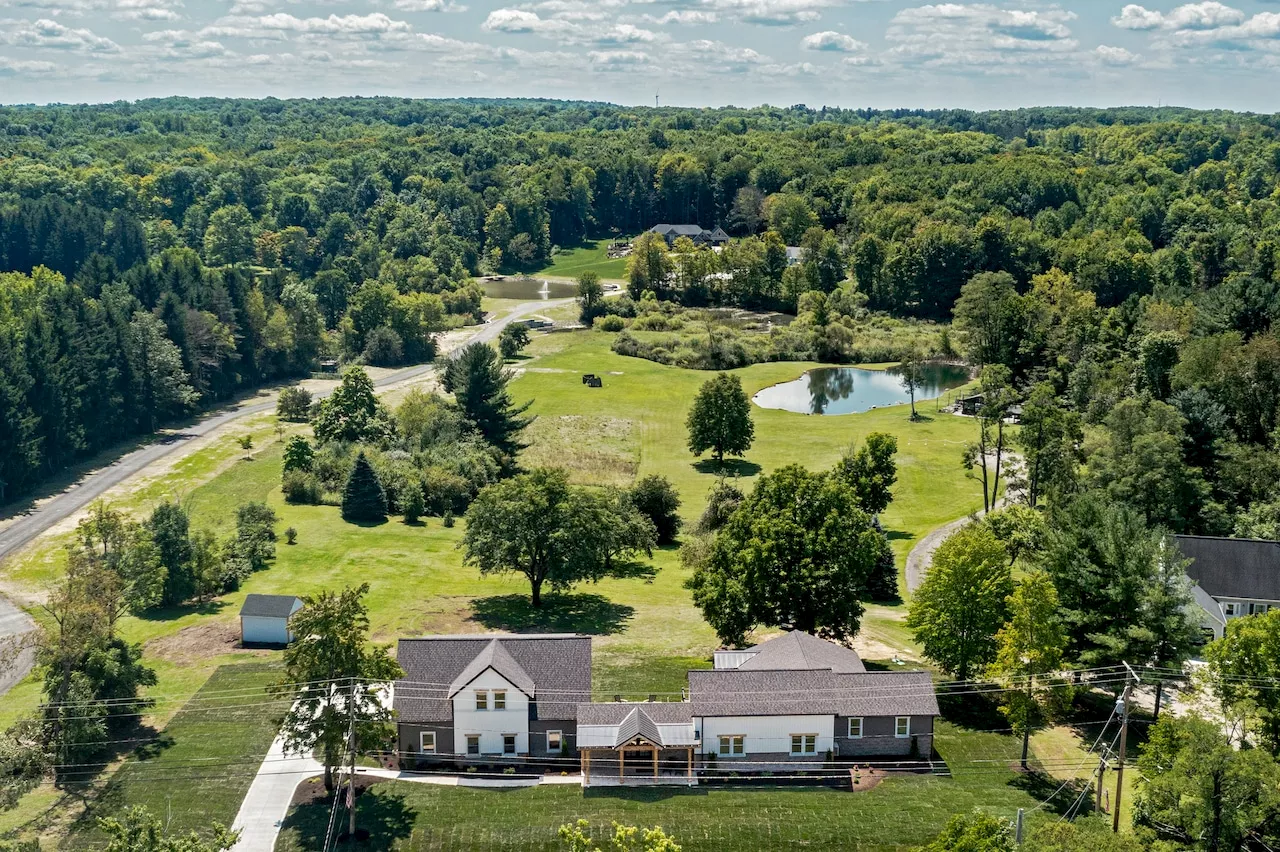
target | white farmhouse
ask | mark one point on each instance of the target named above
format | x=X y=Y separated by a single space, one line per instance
x=1233 y=577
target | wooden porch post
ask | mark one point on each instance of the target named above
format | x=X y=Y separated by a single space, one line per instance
x=622 y=763
x=690 y=751
x=655 y=763
x=586 y=766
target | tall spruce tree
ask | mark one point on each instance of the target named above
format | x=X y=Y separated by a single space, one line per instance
x=363 y=498
x=477 y=379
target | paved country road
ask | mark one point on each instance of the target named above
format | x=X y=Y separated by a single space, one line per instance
x=15 y=623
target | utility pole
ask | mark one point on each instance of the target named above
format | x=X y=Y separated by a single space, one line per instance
x=1018 y=828
x=351 y=787
x=1124 y=738
x=1102 y=770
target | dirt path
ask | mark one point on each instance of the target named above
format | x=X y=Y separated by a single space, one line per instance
x=172 y=445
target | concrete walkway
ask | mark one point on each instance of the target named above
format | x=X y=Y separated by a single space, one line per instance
x=267 y=803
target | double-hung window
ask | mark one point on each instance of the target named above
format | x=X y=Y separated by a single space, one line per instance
x=1229 y=610
x=499 y=699
x=554 y=739
x=473 y=743
x=855 y=728
x=482 y=699
x=732 y=745
x=428 y=742
x=804 y=743
x=508 y=743
x=902 y=727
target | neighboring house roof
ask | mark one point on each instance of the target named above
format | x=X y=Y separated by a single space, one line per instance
x=791 y=692
x=678 y=230
x=269 y=606
x=800 y=650
x=1247 y=568
x=719 y=235
x=494 y=656
x=612 y=725
x=557 y=665
x=795 y=254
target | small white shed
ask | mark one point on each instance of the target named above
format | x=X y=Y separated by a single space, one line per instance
x=264 y=619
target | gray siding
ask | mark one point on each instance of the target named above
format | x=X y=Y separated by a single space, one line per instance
x=878 y=737
x=410 y=737
x=538 y=736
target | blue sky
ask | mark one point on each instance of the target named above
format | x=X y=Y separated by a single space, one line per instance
x=852 y=53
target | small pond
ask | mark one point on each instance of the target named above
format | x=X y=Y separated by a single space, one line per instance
x=528 y=289
x=849 y=390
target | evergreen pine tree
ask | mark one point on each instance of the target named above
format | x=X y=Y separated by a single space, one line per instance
x=363 y=498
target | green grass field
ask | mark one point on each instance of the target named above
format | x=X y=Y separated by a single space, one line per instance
x=572 y=262
x=901 y=812
x=646 y=631
x=196 y=773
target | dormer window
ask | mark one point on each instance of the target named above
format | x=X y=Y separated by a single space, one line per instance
x=482 y=699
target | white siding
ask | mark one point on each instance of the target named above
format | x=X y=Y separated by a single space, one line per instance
x=765 y=734
x=256 y=628
x=732 y=659
x=490 y=724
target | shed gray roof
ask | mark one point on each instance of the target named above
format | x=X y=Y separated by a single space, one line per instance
x=680 y=230
x=790 y=692
x=612 y=725
x=268 y=606
x=661 y=712
x=1233 y=567
x=557 y=665
x=800 y=650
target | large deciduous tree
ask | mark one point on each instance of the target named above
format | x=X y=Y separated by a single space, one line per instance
x=871 y=471
x=1050 y=438
x=352 y=412
x=535 y=524
x=657 y=499
x=797 y=554
x=720 y=419
x=477 y=379
x=1244 y=666
x=333 y=677
x=963 y=601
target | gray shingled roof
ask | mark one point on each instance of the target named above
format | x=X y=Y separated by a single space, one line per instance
x=558 y=664
x=268 y=606
x=799 y=650
x=494 y=656
x=756 y=692
x=681 y=230
x=1233 y=567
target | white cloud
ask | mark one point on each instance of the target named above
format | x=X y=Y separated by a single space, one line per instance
x=984 y=36
x=769 y=12
x=627 y=34
x=45 y=33
x=372 y=23
x=517 y=21
x=1108 y=55
x=25 y=67
x=830 y=40
x=684 y=16
x=617 y=59
x=1210 y=15
x=428 y=6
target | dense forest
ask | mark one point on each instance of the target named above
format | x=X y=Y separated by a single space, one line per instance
x=162 y=255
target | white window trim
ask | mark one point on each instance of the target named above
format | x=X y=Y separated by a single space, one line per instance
x=515 y=744
x=466 y=740
x=720 y=752
x=559 y=735
x=804 y=749
x=897 y=727
x=1229 y=609
x=499 y=699
x=422 y=741
x=482 y=700
x=860 y=722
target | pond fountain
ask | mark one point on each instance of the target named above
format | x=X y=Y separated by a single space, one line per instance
x=850 y=390
x=528 y=289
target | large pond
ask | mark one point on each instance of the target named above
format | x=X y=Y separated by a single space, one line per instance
x=528 y=289
x=849 y=390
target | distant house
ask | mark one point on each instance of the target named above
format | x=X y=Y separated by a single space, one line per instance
x=499 y=694
x=700 y=236
x=795 y=255
x=1233 y=577
x=264 y=619
x=795 y=698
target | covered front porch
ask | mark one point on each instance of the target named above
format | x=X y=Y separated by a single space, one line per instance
x=637 y=763
x=640 y=744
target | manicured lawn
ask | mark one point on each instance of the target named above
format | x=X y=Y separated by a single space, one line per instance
x=901 y=812
x=645 y=628
x=572 y=262
x=198 y=770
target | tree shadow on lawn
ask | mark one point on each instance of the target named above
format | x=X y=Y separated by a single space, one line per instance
x=974 y=711
x=169 y=613
x=383 y=814
x=728 y=467
x=1058 y=796
x=592 y=614
x=643 y=794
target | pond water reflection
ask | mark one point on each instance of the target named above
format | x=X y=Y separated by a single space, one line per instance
x=528 y=289
x=849 y=390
